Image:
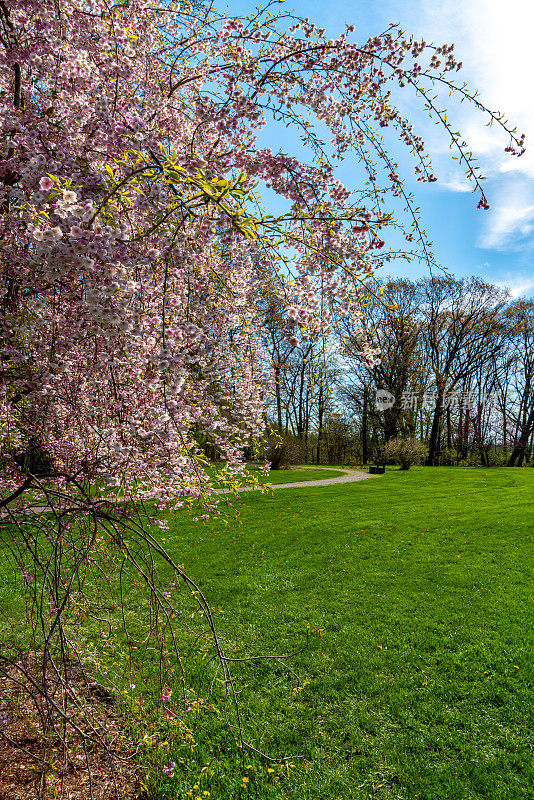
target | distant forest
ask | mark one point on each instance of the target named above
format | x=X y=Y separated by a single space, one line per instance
x=455 y=369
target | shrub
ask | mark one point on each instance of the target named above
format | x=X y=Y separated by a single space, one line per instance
x=281 y=450
x=405 y=452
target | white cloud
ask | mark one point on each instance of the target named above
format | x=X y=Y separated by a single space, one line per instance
x=495 y=46
x=494 y=42
x=493 y=39
x=510 y=221
x=456 y=183
x=499 y=62
x=518 y=286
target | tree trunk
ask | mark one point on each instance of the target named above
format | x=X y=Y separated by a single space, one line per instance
x=433 y=441
x=320 y=409
x=518 y=453
x=391 y=427
x=365 y=454
x=306 y=427
x=278 y=397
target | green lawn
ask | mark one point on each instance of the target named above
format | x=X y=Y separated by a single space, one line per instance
x=417 y=587
x=296 y=475
x=417 y=682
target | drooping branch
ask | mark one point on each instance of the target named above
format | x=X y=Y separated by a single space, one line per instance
x=17 y=493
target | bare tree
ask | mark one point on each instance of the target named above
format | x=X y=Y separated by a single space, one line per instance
x=464 y=329
x=521 y=316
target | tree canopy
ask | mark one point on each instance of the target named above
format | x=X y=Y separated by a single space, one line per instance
x=134 y=244
x=137 y=259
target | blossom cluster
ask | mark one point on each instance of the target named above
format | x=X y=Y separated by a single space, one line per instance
x=134 y=251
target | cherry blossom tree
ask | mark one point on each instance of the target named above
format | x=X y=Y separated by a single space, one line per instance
x=135 y=249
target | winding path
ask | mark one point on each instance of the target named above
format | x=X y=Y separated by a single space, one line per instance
x=348 y=476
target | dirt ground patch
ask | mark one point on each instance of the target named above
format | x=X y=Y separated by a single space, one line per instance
x=42 y=758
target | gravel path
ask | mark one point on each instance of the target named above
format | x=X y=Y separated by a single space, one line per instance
x=351 y=476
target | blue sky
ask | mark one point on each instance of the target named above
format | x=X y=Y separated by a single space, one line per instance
x=494 y=41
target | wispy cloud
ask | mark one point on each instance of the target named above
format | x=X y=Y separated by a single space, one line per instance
x=518 y=286
x=455 y=183
x=496 y=49
x=510 y=221
x=494 y=41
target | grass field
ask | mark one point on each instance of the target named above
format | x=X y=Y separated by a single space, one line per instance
x=417 y=684
x=294 y=475
x=416 y=588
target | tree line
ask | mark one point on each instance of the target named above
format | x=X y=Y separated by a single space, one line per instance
x=455 y=369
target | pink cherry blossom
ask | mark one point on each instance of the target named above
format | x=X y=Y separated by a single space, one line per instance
x=46 y=184
x=135 y=253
